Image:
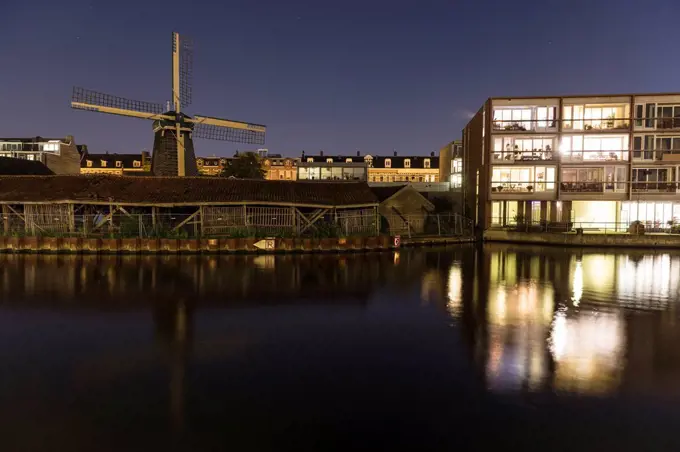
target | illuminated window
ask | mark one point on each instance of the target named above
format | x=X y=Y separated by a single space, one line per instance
x=407 y=163
x=427 y=163
x=388 y=163
x=119 y=164
x=89 y=163
x=103 y=163
x=310 y=160
x=329 y=160
x=348 y=160
x=137 y=164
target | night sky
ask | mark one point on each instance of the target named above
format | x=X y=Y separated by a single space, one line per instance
x=342 y=76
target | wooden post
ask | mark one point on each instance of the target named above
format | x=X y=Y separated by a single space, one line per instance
x=5 y=219
x=201 y=220
x=439 y=225
x=71 y=219
x=153 y=218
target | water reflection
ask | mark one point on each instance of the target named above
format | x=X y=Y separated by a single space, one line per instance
x=532 y=319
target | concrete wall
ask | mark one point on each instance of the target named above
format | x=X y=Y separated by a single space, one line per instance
x=474 y=161
x=615 y=240
x=68 y=162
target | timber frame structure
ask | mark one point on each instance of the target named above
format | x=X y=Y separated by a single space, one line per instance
x=194 y=206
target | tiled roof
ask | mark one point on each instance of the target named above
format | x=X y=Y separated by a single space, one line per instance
x=383 y=193
x=180 y=190
x=417 y=161
x=16 y=167
x=127 y=160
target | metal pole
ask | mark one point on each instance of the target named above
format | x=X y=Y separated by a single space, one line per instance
x=439 y=226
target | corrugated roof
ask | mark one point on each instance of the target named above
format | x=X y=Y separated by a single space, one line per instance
x=180 y=190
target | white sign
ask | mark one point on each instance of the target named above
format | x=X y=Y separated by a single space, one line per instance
x=397 y=241
x=266 y=244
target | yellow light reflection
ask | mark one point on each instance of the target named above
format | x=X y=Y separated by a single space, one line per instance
x=454 y=290
x=519 y=318
x=588 y=351
x=577 y=283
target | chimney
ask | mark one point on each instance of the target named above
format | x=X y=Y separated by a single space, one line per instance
x=432 y=154
x=358 y=154
x=303 y=153
x=395 y=153
x=321 y=153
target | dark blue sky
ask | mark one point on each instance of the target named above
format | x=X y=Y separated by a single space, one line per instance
x=342 y=76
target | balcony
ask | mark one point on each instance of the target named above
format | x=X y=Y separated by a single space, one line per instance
x=596 y=124
x=524 y=125
x=521 y=187
x=594 y=156
x=655 y=187
x=533 y=155
x=640 y=155
x=593 y=187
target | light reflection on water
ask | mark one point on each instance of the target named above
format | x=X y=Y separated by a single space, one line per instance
x=525 y=320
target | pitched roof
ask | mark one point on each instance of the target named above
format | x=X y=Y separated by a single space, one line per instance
x=180 y=190
x=127 y=160
x=397 y=161
x=386 y=192
x=14 y=167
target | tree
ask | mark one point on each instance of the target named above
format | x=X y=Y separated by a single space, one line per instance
x=244 y=166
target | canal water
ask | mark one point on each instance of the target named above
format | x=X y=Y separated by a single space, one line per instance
x=459 y=348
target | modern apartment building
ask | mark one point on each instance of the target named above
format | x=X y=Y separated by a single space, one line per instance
x=588 y=160
x=60 y=155
x=451 y=164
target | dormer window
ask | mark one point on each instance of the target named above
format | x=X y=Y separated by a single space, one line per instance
x=199 y=162
x=329 y=160
x=119 y=164
x=348 y=160
x=369 y=161
x=310 y=160
x=89 y=163
x=427 y=163
x=137 y=164
x=103 y=163
x=407 y=163
x=388 y=163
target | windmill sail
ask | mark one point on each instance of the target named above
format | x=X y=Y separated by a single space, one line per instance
x=228 y=130
x=86 y=99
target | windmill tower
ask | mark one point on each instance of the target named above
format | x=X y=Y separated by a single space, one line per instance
x=174 y=131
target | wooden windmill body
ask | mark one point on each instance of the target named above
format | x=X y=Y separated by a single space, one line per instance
x=174 y=131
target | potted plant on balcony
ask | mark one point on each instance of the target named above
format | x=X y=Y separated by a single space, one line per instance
x=609 y=122
x=530 y=188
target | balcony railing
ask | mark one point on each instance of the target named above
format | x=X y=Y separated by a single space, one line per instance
x=654 y=187
x=530 y=125
x=596 y=124
x=652 y=155
x=593 y=187
x=594 y=156
x=523 y=125
x=524 y=156
x=521 y=187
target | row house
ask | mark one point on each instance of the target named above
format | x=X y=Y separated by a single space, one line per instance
x=591 y=160
x=371 y=168
x=115 y=164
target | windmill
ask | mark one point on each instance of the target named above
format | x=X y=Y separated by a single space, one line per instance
x=174 y=131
